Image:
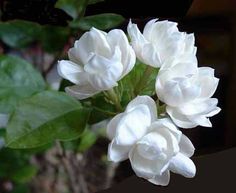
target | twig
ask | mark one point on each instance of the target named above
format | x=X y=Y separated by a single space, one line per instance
x=74 y=188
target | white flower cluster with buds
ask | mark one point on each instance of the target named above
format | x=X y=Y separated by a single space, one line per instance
x=153 y=144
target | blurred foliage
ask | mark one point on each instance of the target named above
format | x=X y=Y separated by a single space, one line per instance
x=18 y=80
x=20 y=34
x=101 y=21
x=39 y=116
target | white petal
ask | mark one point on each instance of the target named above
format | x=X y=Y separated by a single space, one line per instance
x=150 y=56
x=179 y=91
x=179 y=119
x=146 y=100
x=181 y=164
x=148 y=29
x=162 y=180
x=199 y=106
x=71 y=71
x=103 y=73
x=93 y=41
x=186 y=146
x=73 y=56
x=143 y=167
x=215 y=111
x=168 y=124
x=133 y=125
x=117 y=153
x=81 y=92
x=112 y=126
x=137 y=39
x=189 y=44
x=117 y=38
x=135 y=34
x=201 y=120
x=207 y=81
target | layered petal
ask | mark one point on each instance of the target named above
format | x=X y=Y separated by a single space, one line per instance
x=133 y=125
x=146 y=100
x=182 y=165
x=162 y=180
x=186 y=146
x=160 y=41
x=81 y=92
x=71 y=71
x=117 y=153
x=98 y=61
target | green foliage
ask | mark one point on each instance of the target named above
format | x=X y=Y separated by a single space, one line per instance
x=130 y=82
x=101 y=21
x=88 y=138
x=53 y=38
x=15 y=166
x=101 y=109
x=72 y=7
x=19 y=34
x=45 y=117
x=24 y=174
x=18 y=80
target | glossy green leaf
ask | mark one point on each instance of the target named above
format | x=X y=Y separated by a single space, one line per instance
x=45 y=117
x=72 y=7
x=18 y=33
x=18 y=80
x=101 y=21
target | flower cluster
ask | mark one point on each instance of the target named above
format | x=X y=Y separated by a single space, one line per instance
x=153 y=143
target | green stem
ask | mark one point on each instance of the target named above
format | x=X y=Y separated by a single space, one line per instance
x=105 y=112
x=114 y=99
x=143 y=80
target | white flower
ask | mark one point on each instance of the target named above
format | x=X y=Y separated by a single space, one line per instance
x=97 y=61
x=187 y=91
x=160 y=41
x=153 y=146
x=125 y=129
x=163 y=149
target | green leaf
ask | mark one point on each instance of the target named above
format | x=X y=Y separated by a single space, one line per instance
x=24 y=174
x=91 y=2
x=88 y=138
x=72 y=7
x=18 y=80
x=101 y=21
x=101 y=109
x=128 y=83
x=18 y=34
x=45 y=117
x=54 y=38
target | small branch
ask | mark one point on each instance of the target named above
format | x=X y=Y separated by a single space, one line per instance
x=111 y=94
x=111 y=170
x=73 y=186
